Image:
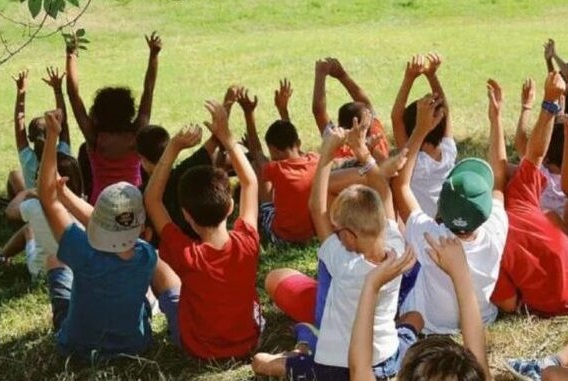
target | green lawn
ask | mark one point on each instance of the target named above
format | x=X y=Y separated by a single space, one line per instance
x=209 y=45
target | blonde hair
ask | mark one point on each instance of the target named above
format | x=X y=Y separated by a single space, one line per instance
x=359 y=208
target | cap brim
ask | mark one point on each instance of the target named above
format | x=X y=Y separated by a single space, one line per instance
x=477 y=166
x=112 y=242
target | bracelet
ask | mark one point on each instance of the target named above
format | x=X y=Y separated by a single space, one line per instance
x=551 y=107
x=371 y=162
x=525 y=107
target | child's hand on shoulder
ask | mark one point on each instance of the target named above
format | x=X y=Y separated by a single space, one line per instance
x=21 y=80
x=154 y=43
x=448 y=254
x=53 y=121
x=189 y=136
x=53 y=79
x=389 y=268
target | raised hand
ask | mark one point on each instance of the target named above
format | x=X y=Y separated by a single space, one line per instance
x=357 y=135
x=554 y=87
x=528 y=94
x=335 y=138
x=154 y=43
x=219 y=125
x=495 y=97
x=448 y=254
x=282 y=95
x=21 y=80
x=428 y=112
x=53 y=79
x=189 y=136
x=231 y=95
x=322 y=67
x=391 y=166
x=415 y=67
x=390 y=267
x=248 y=105
x=549 y=49
x=434 y=62
x=336 y=70
x=53 y=121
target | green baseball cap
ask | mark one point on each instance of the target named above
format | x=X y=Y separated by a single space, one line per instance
x=466 y=198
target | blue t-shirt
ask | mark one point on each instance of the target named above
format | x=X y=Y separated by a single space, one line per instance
x=106 y=312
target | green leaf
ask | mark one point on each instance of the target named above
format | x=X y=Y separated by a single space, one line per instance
x=83 y=40
x=74 y=2
x=82 y=47
x=80 y=32
x=35 y=7
x=61 y=5
x=51 y=8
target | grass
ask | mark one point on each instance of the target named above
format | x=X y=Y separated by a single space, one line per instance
x=211 y=44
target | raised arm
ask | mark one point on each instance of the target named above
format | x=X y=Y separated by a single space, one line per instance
x=20 y=110
x=78 y=207
x=430 y=71
x=549 y=54
x=540 y=137
x=145 y=110
x=153 y=196
x=219 y=126
x=282 y=97
x=562 y=65
x=319 y=100
x=357 y=93
x=56 y=214
x=414 y=68
x=497 y=151
x=249 y=105
x=527 y=100
x=449 y=255
x=427 y=117
x=230 y=98
x=77 y=105
x=361 y=343
x=55 y=81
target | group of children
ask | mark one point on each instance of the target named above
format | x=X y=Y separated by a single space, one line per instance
x=411 y=242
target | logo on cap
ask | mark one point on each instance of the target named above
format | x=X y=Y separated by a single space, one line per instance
x=125 y=219
x=459 y=222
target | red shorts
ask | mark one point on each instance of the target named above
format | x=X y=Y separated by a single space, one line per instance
x=296 y=297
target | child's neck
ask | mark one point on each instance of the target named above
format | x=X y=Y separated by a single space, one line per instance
x=126 y=255
x=432 y=151
x=373 y=249
x=216 y=237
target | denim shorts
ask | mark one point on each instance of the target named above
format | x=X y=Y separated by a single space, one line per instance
x=59 y=282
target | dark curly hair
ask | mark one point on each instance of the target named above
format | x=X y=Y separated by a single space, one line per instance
x=113 y=110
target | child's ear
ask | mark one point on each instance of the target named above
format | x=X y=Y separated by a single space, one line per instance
x=231 y=208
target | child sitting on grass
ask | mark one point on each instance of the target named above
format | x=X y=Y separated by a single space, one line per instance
x=438 y=151
x=217 y=309
x=102 y=311
x=285 y=180
x=357 y=234
x=110 y=128
x=470 y=207
x=435 y=357
x=379 y=145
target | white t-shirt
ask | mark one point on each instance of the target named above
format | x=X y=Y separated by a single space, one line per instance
x=32 y=212
x=429 y=174
x=348 y=270
x=433 y=294
x=552 y=198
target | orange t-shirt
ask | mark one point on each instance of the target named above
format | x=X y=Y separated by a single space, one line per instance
x=382 y=145
x=292 y=183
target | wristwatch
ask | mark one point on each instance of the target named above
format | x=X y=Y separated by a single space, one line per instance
x=551 y=107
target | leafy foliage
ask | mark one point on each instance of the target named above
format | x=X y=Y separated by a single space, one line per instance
x=51 y=7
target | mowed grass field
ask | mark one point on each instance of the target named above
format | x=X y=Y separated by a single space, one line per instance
x=209 y=45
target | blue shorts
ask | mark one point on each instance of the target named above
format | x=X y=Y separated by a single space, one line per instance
x=266 y=217
x=59 y=281
x=169 y=305
x=304 y=367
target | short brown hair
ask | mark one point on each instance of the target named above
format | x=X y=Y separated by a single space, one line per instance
x=440 y=358
x=359 y=208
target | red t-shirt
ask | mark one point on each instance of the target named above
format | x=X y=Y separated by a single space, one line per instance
x=535 y=258
x=218 y=291
x=292 y=183
x=382 y=145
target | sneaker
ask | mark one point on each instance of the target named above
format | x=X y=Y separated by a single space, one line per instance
x=525 y=370
x=306 y=334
